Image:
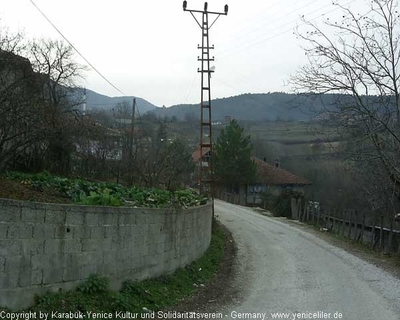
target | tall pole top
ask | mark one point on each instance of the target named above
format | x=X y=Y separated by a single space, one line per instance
x=205 y=9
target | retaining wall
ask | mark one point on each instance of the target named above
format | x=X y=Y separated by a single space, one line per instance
x=51 y=247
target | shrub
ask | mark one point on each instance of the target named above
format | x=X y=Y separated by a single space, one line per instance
x=282 y=204
x=94 y=284
x=103 y=198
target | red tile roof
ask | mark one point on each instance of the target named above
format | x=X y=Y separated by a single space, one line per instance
x=272 y=175
x=196 y=155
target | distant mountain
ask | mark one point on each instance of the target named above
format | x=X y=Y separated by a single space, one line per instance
x=269 y=106
x=95 y=100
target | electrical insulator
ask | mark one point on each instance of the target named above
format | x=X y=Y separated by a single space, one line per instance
x=205 y=6
x=226 y=9
x=184 y=5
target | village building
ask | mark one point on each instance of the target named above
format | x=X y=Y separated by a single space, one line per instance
x=270 y=178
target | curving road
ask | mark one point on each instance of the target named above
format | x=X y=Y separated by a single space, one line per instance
x=282 y=268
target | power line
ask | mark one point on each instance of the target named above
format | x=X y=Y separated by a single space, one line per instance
x=77 y=51
x=269 y=22
x=252 y=18
x=243 y=41
x=245 y=48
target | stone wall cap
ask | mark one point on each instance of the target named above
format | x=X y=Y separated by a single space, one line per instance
x=97 y=209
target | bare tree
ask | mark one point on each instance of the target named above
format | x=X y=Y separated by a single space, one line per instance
x=358 y=58
x=150 y=156
x=55 y=61
x=20 y=112
x=179 y=166
x=11 y=42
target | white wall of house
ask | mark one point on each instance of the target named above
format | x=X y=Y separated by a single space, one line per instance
x=254 y=191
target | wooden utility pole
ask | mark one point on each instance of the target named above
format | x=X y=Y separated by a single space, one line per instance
x=131 y=141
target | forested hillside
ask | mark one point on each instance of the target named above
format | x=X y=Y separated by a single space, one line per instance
x=269 y=106
x=95 y=101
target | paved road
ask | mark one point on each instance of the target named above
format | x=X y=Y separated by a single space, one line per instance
x=285 y=269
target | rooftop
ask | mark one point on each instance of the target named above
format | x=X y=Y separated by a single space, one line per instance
x=272 y=175
x=196 y=154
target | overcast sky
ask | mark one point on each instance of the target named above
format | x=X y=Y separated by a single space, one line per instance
x=149 y=49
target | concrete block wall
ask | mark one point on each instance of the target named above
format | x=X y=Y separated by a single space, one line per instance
x=51 y=247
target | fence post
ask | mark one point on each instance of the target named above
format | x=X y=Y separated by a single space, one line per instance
x=350 y=218
x=398 y=250
x=321 y=215
x=302 y=212
x=327 y=213
x=355 y=224
x=362 y=229
x=381 y=234
x=328 y=219
x=343 y=222
x=373 y=236
x=313 y=215
x=299 y=211
x=293 y=207
x=390 y=240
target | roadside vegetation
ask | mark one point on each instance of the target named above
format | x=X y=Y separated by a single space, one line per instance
x=280 y=205
x=84 y=192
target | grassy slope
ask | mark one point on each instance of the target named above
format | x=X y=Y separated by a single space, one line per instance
x=288 y=138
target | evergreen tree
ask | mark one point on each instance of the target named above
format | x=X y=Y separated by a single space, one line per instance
x=232 y=157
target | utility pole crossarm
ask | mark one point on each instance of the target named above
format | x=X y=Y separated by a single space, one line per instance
x=209 y=12
x=225 y=13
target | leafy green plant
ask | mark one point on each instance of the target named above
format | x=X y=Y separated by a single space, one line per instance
x=189 y=198
x=123 y=302
x=100 y=199
x=94 y=284
x=108 y=194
